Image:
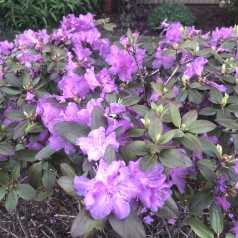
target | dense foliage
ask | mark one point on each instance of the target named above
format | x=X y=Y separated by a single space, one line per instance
x=173 y=12
x=134 y=130
x=25 y=14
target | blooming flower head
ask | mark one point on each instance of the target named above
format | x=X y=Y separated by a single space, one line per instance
x=152 y=186
x=95 y=144
x=110 y=191
x=195 y=68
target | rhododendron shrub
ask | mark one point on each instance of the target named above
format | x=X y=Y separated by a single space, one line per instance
x=136 y=131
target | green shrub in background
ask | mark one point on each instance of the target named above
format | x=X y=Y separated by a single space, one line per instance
x=174 y=12
x=24 y=14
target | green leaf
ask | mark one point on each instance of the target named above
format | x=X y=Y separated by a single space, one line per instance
x=46 y=152
x=26 y=79
x=200 y=126
x=148 y=162
x=11 y=201
x=6 y=149
x=16 y=171
x=175 y=115
x=110 y=154
x=10 y=91
x=173 y=158
x=169 y=210
x=15 y=116
x=190 y=116
x=207 y=168
x=140 y=110
x=208 y=147
x=208 y=111
x=82 y=224
x=130 y=100
x=71 y=131
x=194 y=96
x=230 y=235
x=138 y=147
x=155 y=129
x=97 y=118
x=170 y=135
x=67 y=170
x=191 y=142
x=216 y=219
x=26 y=155
x=135 y=132
x=67 y=184
x=12 y=80
x=3 y=191
x=109 y=26
x=200 y=229
x=26 y=191
x=228 y=123
x=127 y=154
x=35 y=175
x=49 y=177
x=215 y=95
x=130 y=227
x=201 y=200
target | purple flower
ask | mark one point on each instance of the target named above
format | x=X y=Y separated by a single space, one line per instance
x=222 y=202
x=221 y=88
x=236 y=166
x=95 y=144
x=153 y=191
x=178 y=176
x=235 y=229
x=173 y=33
x=160 y=60
x=5 y=47
x=110 y=191
x=195 y=68
x=73 y=86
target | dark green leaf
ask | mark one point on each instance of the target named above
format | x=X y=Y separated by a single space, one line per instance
x=35 y=175
x=15 y=116
x=49 y=177
x=127 y=154
x=200 y=200
x=26 y=154
x=130 y=100
x=216 y=219
x=155 y=129
x=46 y=152
x=26 y=191
x=67 y=170
x=173 y=158
x=170 y=135
x=135 y=132
x=148 y=162
x=71 y=131
x=130 y=227
x=140 y=110
x=139 y=147
x=110 y=154
x=11 y=201
x=6 y=149
x=207 y=168
x=169 y=210
x=200 y=126
x=189 y=117
x=191 y=142
x=97 y=118
x=67 y=184
x=228 y=123
x=82 y=224
x=200 y=229
x=175 y=115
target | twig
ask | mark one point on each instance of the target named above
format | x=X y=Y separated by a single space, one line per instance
x=9 y=232
x=167 y=228
x=172 y=75
x=60 y=215
x=23 y=227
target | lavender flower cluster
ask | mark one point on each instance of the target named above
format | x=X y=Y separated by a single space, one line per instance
x=137 y=124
